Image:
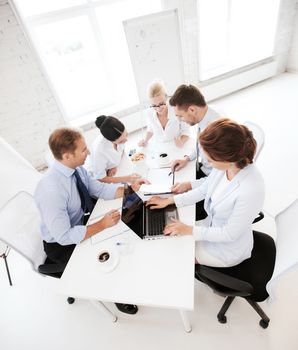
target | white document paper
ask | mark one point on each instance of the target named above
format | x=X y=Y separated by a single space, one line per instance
x=160 y=177
x=155 y=189
x=102 y=207
x=109 y=232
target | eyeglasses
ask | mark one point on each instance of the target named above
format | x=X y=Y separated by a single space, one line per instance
x=159 y=105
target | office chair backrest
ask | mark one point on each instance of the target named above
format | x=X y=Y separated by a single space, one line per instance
x=258 y=134
x=16 y=175
x=20 y=228
x=286 y=246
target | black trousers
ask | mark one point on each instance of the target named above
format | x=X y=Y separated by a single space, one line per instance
x=200 y=211
x=58 y=253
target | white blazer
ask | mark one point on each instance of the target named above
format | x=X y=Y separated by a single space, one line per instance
x=227 y=232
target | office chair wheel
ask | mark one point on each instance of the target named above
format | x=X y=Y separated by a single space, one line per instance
x=222 y=319
x=70 y=300
x=264 y=324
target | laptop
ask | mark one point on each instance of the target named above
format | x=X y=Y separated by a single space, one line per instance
x=147 y=223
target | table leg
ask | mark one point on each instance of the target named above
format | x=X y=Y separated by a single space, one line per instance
x=185 y=320
x=104 y=309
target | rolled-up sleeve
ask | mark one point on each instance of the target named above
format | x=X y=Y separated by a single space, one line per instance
x=102 y=190
x=55 y=218
x=98 y=189
x=192 y=155
x=184 y=128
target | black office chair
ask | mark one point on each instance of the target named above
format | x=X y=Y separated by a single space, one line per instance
x=247 y=280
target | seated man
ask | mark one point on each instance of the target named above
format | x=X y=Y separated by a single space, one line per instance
x=64 y=197
x=190 y=107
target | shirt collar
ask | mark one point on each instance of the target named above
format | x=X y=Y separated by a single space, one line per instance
x=205 y=121
x=63 y=169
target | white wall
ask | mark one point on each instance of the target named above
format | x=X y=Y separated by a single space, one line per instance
x=28 y=111
x=292 y=65
x=284 y=32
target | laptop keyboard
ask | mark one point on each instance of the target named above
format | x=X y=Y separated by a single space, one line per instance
x=156 y=222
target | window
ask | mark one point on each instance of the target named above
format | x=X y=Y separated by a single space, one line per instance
x=234 y=33
x=83 y=48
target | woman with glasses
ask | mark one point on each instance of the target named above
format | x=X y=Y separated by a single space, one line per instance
x=107 y=150
x=161 y=120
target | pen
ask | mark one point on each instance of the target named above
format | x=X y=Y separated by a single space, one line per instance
x=172 y=171
x=96 y=217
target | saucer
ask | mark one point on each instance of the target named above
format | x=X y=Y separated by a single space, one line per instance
x=165 y=165
x=111 y=263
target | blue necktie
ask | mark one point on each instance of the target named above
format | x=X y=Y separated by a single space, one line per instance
x=86 y=201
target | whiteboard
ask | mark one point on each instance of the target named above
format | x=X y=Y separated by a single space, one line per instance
x=154 y=45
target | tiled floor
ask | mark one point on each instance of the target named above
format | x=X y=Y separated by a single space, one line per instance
x=35 y=316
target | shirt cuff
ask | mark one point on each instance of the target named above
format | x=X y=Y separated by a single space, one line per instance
x=197 y=232
x=192 y=156
x=178 y=200
x=197 y=183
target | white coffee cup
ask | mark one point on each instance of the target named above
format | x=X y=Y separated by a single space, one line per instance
x=108 y=259
x=163 y=158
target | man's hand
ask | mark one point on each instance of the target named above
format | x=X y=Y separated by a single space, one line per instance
x=111 y=218
x=178 y=142
x=158 y=202
x=112 y=171
x=133 y=178
x=142 y=143
x=137 y=184
x=179 y=164
x=177 y=227
x=181 y=187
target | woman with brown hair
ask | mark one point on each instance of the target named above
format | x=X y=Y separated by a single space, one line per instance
x=233 y=193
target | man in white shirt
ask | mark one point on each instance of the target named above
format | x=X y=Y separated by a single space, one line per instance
x=190 y=106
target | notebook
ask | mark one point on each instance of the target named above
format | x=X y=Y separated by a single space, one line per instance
x=147 y=223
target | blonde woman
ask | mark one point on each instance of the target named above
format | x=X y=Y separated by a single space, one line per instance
x=162 y=122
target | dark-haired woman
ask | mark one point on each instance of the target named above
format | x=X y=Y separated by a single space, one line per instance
x=233 y=193
x=107 y=151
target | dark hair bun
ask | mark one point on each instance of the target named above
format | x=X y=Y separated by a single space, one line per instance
x=100 y=120
x=110 y=127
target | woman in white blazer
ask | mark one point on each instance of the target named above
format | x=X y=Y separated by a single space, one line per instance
x=233 y=192
x=107 y=151
x=162 y=122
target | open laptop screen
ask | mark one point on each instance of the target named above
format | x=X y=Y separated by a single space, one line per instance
x=132 y=211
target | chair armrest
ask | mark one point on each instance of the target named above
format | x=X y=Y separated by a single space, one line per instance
x=219 y=279
x=259 y=217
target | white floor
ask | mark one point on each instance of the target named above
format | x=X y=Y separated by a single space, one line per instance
x=35 y=316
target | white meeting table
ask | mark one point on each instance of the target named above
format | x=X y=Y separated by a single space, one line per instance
x=157 y=273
